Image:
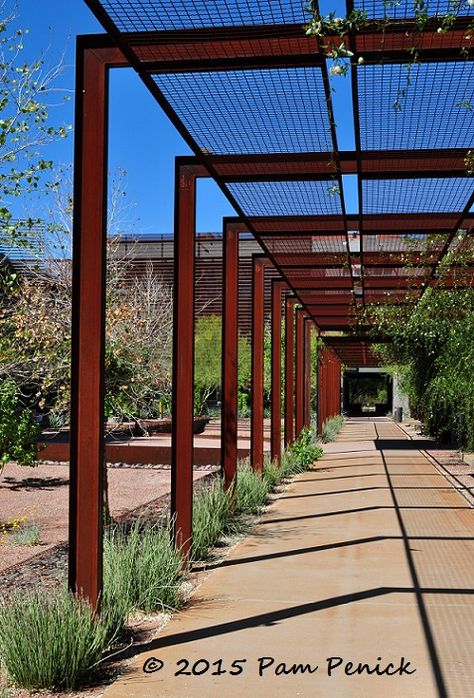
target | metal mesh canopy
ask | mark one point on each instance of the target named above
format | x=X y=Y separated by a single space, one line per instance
x=416 y=195
x=405 y=9
x=252 y=111
x=286 y=198
x=157 y=15
x=420 y=105
x=250 y=93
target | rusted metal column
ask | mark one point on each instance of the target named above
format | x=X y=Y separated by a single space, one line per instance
x=88 y=326
x=230 y=301
x=276 y=371
x=299 y=372
x=183 y=356
x=256 y=426
x=329 y=385
x=289 y=370
x=322 y=388
x=307 y=373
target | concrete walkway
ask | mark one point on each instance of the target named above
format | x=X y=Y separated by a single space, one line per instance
x=367 y=559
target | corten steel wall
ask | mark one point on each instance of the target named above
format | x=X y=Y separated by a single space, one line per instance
x=158 y=253
x=329 y=385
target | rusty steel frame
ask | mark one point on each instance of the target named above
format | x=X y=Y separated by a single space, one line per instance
x=309 y=324
x=299 y=371
x=221 y=49
x=289 y=411
x=230 y=304
x=276 y=319
x=182 y=446
x=329 y=385
x=86 y=489
x=257 y=398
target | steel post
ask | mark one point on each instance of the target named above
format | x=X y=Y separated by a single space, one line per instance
x=289 y=370
x=256 y=427
x=183 y=357
x=229 y=353
x=276 y=371
x=86 y=489
x=299 y=372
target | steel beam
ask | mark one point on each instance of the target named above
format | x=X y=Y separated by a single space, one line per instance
x=289 y=370
x=277 y=287
x=86 y=490
x=230 y=299
x=183 y=357
x=256 y=427
x=307 y=372
x=299 y=372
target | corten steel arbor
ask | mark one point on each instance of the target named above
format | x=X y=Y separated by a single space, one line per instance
x=249 y=92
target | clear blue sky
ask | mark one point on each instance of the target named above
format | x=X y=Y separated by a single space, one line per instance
x=142 y=140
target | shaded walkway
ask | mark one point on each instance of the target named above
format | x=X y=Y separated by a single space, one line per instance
x=365 y=557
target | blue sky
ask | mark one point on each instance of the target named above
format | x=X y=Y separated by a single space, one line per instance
x=142 y=140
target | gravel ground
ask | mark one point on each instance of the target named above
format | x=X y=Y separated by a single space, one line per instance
x=41 y=494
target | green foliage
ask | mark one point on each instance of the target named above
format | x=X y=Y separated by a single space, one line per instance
x=303 y=452
x=208 y=357
x=141 y=571
x=26 y=534
x=251 y=491
x=331 y=428
x=211 y=512
x=25 y=126
x=435 y=344
x=50 y=641
x=18 y=430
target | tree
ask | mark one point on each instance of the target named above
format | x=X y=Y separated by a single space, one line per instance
x=208 y=357
x=25 y=124
x=434 y=344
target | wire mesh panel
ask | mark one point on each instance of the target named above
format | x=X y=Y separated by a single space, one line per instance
x=145 y=15
x=286 y=198
x=251 y=111
x=416 y=195
x=405 y=9
x=421 y=105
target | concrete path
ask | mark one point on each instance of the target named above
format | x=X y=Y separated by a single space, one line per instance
x=357 y=582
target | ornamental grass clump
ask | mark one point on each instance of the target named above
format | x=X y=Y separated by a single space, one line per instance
x=251 y=491
x=211 y=516
x=331 y=428
x=50 y=641
x=142 y=571
x=271 y=474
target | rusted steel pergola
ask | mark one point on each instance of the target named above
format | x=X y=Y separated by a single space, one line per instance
x=249 y=92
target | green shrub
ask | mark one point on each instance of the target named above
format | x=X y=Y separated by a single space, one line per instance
x=141 y=571
x=18 y=430
x=301 y=454
x=271 y=474
x=50 y=640
x=211 y=513
x=251 y=490
x=26 y=534
x=331 y=428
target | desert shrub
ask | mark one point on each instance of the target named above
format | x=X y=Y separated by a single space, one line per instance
x=50 y=640
x=331 y=428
